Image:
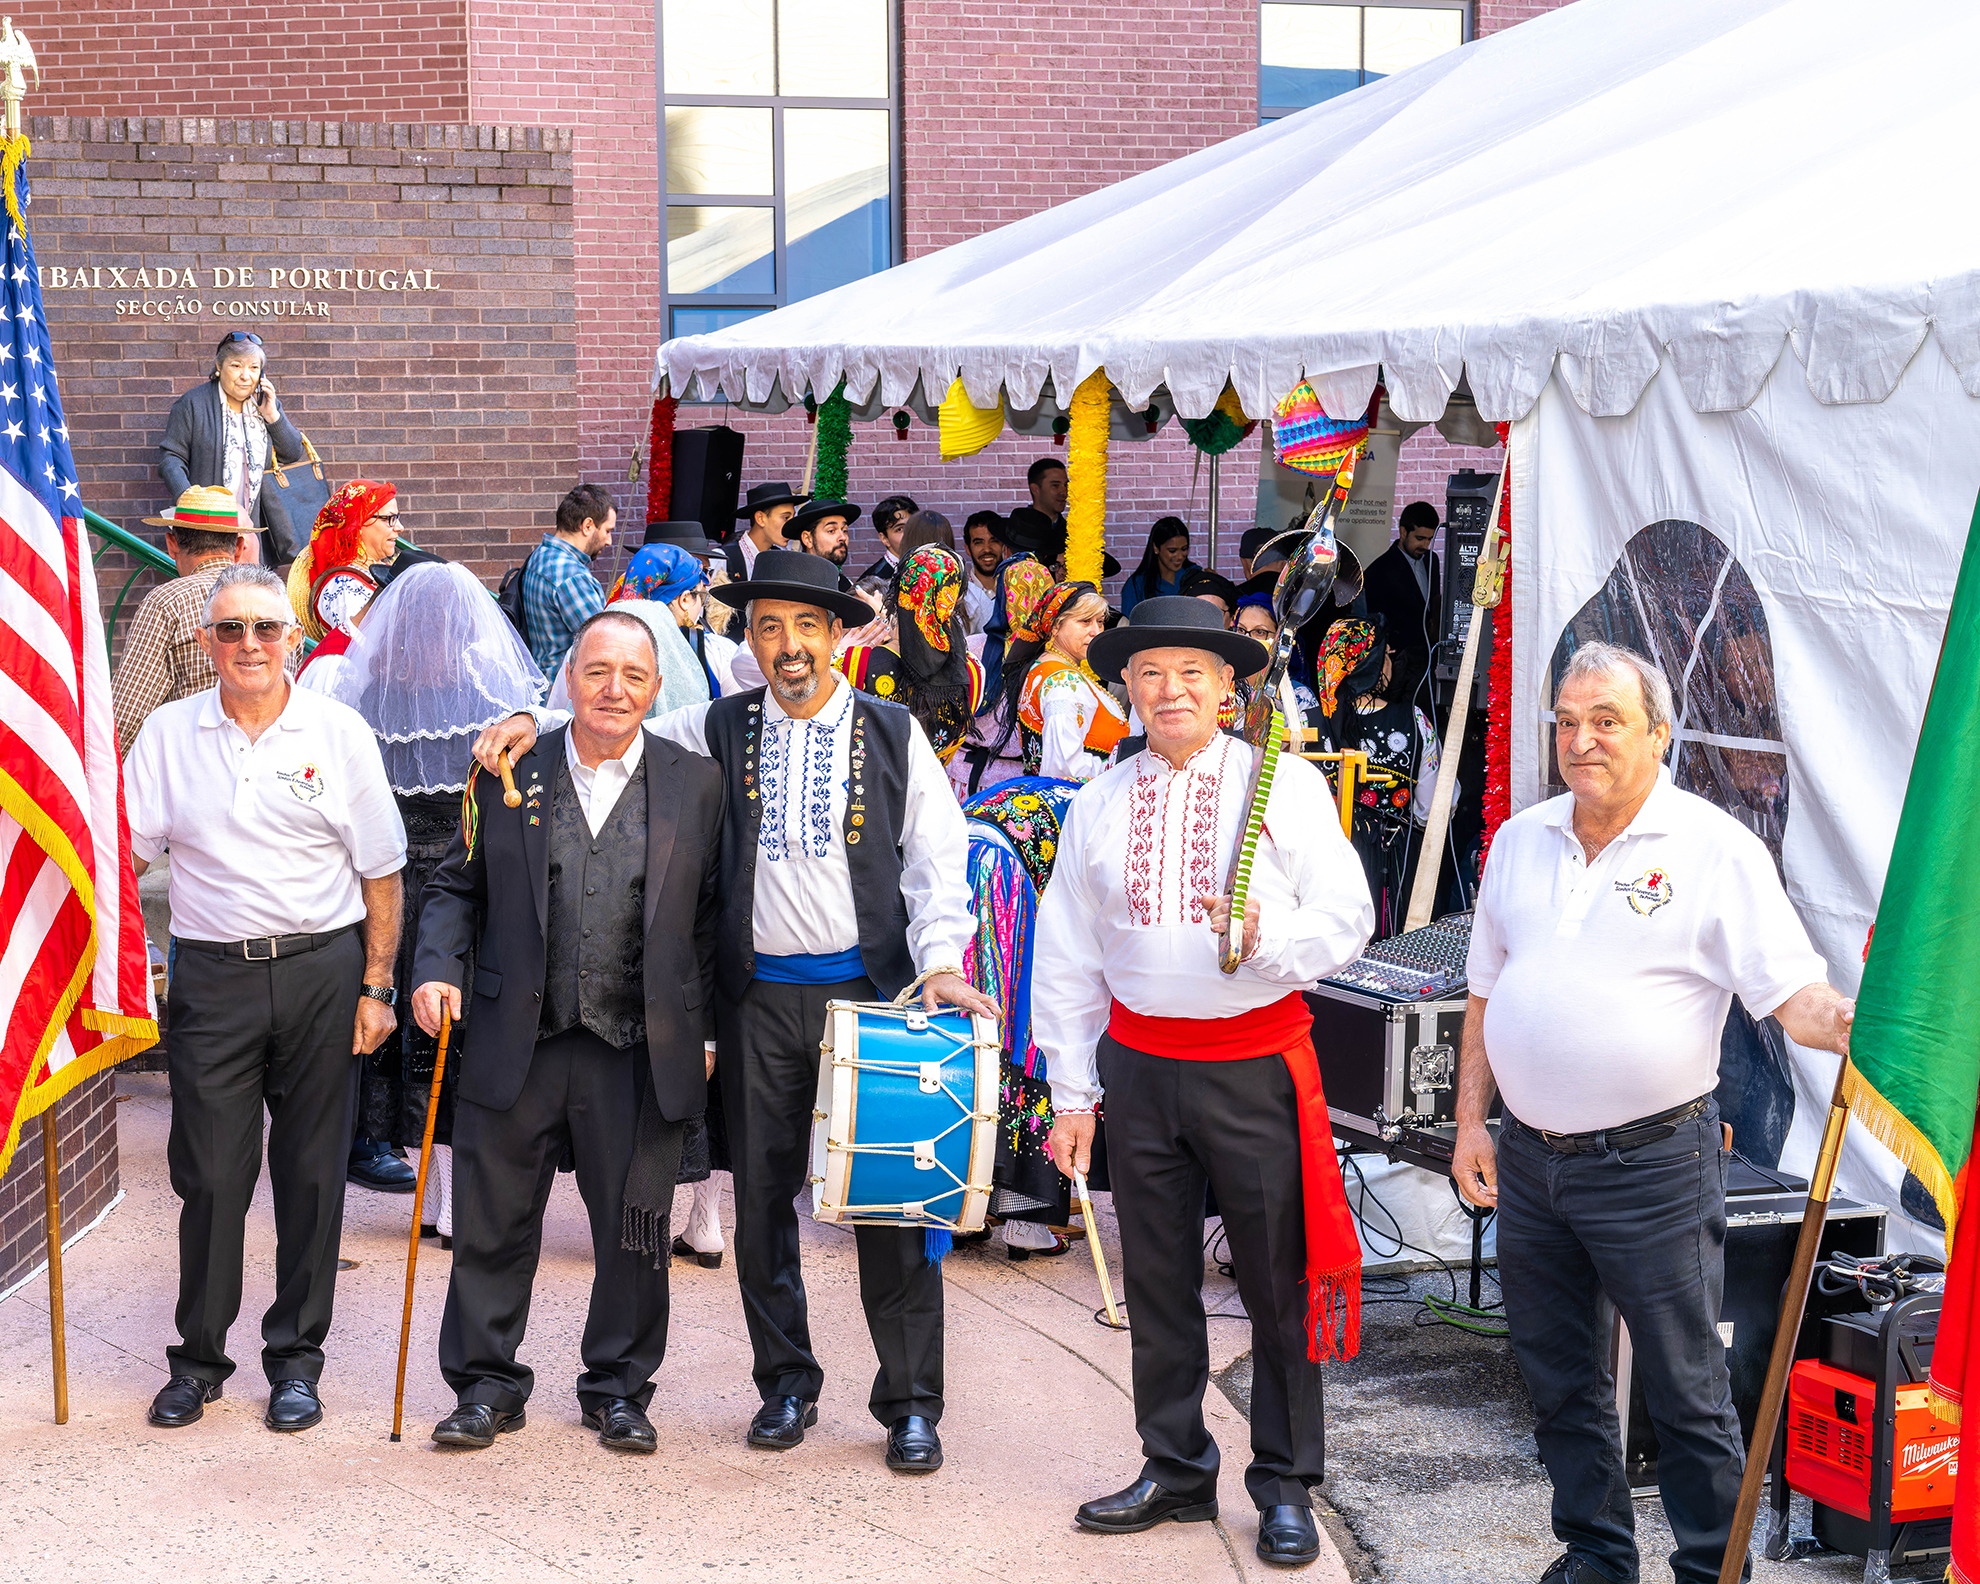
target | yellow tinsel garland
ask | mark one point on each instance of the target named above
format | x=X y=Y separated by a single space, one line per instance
x=1086 y=479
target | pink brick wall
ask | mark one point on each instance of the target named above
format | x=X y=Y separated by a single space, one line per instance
x=588 y=64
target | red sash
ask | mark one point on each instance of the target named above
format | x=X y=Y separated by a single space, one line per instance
x=1333 y=1252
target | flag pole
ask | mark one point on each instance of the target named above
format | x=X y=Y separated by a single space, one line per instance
x=1794 y=1300
x=58 y=1345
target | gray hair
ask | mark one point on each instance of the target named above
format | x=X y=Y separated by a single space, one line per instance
x=247 y=577
x=1607 y=659
x=598 y=619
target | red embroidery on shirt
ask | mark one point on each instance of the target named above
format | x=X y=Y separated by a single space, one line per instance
x=1200 y=836
x=1143 y=850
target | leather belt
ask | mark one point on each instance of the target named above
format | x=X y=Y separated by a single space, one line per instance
x=1644 y=1130
x=266 y=948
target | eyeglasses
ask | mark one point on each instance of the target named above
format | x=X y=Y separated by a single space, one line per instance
x=241 y=335
x=267 y=630
x=388 y=517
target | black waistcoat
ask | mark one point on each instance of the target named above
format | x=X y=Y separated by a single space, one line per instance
x=593 y=970
x=876 y=811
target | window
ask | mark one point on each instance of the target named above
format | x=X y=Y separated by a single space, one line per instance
x=780 y=124
x=1312 y=50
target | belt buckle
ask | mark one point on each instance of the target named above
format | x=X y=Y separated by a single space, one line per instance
x=247 y=949
x=1561 y=1143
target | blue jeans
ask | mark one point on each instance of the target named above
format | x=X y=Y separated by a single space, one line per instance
x=1646 y=1226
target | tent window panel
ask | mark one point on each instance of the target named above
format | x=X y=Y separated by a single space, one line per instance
x=719 y=149
x=832 y=49
x=1307 y=53
x=717 y=47
x=721 y=250
x=689 y=320
x=1396 y=38
x=838 y=222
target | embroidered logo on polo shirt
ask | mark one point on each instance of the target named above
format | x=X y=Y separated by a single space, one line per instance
x=1648 y=892
x=304 y=781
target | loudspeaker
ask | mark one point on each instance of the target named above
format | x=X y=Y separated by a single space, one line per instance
x=707 y=479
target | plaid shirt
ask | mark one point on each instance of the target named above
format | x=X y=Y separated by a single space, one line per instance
x=559 y=592
x=162 y=657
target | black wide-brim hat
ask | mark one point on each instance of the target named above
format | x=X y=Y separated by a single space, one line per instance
x=817 y=511
x=687 y=536
x=1173 y=621
x=762 y=497
x=1029 y=531
x=801 y=578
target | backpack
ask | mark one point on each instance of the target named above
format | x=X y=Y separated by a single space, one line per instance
x=510 y=597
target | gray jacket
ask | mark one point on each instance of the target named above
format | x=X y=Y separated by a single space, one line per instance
x=192 y=452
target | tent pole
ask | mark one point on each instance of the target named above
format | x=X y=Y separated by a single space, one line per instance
x=58 y=1346
x=1210 y=556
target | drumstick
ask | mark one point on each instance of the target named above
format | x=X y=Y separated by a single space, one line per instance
x=1093 y=1243
x=510 y=796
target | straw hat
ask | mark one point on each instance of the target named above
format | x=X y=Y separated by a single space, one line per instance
x=207 y=509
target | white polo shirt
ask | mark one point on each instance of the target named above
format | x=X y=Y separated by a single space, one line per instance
x=268 y=837
x=1608 y=983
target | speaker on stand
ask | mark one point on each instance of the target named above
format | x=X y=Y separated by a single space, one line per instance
x=707 y=479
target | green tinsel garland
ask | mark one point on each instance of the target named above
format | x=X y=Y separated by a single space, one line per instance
x=834 y=440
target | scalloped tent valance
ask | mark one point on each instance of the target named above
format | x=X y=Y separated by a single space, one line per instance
x=1613 y=187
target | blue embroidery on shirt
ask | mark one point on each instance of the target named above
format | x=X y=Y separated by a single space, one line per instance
x=818 y=788
x=770 y=781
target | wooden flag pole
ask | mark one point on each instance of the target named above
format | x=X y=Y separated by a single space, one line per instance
x=419 y=1201
x=57 y=1322
x=1487 y=584
x=1794 y=1299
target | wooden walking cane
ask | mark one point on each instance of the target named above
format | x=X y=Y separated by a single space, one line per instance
x=1794 y=1299
x=419 y=1199
x=511 y=798
x=1099 y=1259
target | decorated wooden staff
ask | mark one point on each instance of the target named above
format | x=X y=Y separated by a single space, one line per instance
x=1099 y=1257
x=1306 y=581
x=511 y=798
x=419 y=1191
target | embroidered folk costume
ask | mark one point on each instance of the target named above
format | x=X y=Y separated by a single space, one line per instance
x=934 y=675
x=1207 y=1079
x=327 y=585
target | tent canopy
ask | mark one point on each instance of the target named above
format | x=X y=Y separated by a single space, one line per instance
x=1611 y=186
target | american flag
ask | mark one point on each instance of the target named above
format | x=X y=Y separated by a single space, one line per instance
x=75 y=989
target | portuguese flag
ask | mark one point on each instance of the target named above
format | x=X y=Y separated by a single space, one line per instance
x=1915 y=1048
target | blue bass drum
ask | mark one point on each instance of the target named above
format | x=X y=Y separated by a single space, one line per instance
x=905 y=1132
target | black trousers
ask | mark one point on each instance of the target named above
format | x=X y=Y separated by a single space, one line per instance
x=583 y=1095
x=245 y=1036
x=768 y=1066
x=1174 y=1127
x=1646 y=1226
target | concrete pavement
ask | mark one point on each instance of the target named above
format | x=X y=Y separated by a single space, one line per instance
x=1039 y=1419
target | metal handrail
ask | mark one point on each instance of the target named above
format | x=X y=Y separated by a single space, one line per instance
x=149 y=558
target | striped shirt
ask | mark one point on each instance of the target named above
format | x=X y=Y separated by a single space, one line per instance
x=559 y=593
x=162 y=657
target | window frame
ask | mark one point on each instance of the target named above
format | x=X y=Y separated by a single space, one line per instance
x=1467 y=25
x=776 y=104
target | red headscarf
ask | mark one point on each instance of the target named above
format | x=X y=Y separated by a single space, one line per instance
x=334 y=540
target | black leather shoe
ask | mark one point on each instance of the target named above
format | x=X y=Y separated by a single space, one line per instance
x=1141 y=1506
x=293 y=1405
x=181 y=1401
x=622 y=1425
x=781 y=1422
x=1567 y=1568
x=475 y=1425
x=1287 y=1536
x=375 y=1167
x=683 y=1249
x=1059 y=1246
x=913 y=1447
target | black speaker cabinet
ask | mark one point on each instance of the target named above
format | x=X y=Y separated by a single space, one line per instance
x=707 y=479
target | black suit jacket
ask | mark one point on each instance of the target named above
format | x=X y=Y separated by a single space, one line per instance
x=499 y=900
x=1391 y=591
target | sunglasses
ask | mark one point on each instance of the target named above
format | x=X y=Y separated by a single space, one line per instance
x=242 y=335
x=266 y=631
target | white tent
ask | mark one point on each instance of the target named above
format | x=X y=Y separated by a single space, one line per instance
x=1716 y=261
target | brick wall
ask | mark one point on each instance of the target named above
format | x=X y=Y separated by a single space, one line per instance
x=459 y=394
x=86 y=1148
x=540 y=64
x=403 y=60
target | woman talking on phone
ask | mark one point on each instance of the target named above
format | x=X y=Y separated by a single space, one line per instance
x=223 y=435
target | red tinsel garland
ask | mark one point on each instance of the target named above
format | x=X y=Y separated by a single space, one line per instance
x=660 y=460
x=1498 y=722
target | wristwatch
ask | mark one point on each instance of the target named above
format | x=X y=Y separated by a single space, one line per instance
x=383 y=993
